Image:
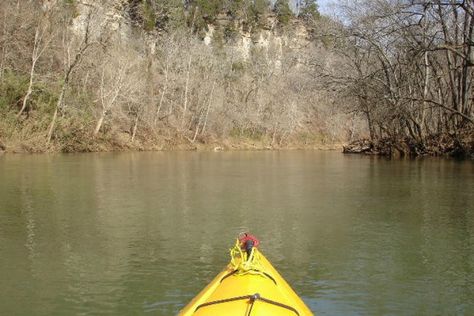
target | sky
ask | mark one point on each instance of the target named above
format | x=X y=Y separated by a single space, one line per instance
x=324 y=6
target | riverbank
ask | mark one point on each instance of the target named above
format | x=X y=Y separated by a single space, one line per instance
x=76 y=141
x=458 y=146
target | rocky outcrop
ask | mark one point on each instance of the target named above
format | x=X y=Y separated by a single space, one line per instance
x=270 y=39
x=110 y=16
x=117 y=16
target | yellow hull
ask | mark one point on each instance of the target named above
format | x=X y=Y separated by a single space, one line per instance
x=249 y=294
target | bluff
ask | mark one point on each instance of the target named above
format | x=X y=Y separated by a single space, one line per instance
x=127 y=74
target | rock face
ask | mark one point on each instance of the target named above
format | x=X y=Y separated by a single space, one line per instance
x=270 y=39
x=110 y=14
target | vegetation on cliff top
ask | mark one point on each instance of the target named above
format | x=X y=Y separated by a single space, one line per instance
x=198 y=14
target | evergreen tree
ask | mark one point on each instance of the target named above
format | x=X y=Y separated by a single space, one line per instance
x=157 y=14
x=283 y=11
x=169 y=14
x=258 y=10
x=203 y=12
x=308 y=9
x=236 y=8
x=149 y=16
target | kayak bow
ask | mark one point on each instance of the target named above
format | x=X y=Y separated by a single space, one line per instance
x=247 y=287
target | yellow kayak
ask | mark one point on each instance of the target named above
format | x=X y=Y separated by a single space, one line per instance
x=248 y=286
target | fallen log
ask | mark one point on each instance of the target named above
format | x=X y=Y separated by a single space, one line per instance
x=358 y=147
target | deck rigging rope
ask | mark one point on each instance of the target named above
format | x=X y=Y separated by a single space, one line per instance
x=252 y=299
x=243 y=264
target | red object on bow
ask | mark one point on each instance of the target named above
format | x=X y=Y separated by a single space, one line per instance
x=246 y=237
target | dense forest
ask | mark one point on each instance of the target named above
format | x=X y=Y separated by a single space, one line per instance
x=393 y=77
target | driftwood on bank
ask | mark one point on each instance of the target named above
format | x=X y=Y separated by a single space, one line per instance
x=441 y=145
x=358 y=147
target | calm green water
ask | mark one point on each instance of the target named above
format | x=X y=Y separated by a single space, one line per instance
x=142 y=233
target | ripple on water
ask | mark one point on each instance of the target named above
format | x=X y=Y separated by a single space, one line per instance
x=128 y=234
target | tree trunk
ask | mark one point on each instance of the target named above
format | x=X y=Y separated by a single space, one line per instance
x=35 y=55
x=135 y=127
x=426 y=84
x=165 y=87
x=273 y=136
x=55 y=115
x=197 y=129
x=449 y=59
x=185 y=106
x=51 y=126
x=25 y=99
x=99 y=123
x=30 y=89
x=85 y=44
x=208 y=108
x=4 y=46
x=467 y=65
x=200 y=120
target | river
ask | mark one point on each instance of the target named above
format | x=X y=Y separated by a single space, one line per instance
x=142 y=233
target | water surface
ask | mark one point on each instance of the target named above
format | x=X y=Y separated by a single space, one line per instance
x=142 y=233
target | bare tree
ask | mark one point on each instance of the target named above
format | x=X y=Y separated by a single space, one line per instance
x=75 y=47
x=43 y=37
x=4 y=40
x=414 y=69
x=117 y=82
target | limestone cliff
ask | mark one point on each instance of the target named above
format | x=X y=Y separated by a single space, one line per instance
x=270 y=38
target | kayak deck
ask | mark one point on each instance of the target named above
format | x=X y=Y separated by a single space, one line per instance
x=258 y=290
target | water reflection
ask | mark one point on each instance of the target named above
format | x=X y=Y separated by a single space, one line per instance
x=144 y=232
